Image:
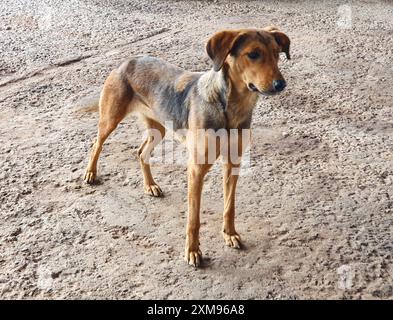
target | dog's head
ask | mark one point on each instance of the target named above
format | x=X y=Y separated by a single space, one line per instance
x=252 y=56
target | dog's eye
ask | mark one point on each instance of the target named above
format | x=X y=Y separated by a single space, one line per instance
x=253 y=55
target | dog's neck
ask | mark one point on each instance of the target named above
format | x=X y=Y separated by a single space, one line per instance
x=222 y=87
x=213 y=88
x=240 y=98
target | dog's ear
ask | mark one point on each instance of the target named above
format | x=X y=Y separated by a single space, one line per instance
x=219 y=46
x=281 y=39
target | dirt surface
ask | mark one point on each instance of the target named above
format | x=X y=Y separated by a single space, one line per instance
x=314 y=207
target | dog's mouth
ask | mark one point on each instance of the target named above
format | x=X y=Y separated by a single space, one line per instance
x=253 y=88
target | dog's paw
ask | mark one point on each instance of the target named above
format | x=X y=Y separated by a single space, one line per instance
x=154 y=190
x=89 y=177
x=193 y=258
x=232 y=240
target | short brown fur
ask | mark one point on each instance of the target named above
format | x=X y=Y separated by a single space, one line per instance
x=222 y=98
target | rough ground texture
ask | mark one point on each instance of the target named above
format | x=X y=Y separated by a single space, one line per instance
x=314 y=208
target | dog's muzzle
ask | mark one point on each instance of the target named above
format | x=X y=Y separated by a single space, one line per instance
x=277 y=86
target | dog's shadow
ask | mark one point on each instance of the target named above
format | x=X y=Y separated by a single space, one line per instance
x=208 y=262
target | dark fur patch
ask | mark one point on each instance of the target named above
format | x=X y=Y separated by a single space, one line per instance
x=238 y=44
x=264 y=37
x=214 y=123
x=174 y=105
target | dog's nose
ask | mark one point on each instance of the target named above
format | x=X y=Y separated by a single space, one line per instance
x=279 y=85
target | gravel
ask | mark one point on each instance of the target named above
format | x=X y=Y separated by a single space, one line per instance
x=314 y=205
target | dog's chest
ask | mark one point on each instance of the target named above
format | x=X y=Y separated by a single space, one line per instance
x=238 y=116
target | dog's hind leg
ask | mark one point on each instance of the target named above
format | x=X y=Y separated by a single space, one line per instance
x=156 y=133
x=114 y=105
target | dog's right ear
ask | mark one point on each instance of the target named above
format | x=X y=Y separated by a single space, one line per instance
x=219 y=46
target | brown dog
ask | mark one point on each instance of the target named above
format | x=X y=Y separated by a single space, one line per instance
x=245 y=64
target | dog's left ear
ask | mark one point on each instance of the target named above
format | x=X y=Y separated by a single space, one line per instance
x=219 y=46
x=281 y=39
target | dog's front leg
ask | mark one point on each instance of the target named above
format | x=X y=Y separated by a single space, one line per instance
x=231 y=169
x=230 y=177
x=196 y=174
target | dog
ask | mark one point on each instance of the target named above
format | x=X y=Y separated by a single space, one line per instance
x=245 y=65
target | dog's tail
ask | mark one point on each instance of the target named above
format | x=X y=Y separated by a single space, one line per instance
x=87 y=104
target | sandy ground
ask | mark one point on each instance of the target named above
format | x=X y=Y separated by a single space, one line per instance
x=314 y=206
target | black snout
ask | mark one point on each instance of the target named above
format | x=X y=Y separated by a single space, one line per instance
x=279 y=85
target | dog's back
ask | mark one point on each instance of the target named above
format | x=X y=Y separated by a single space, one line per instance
x=163 y=87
